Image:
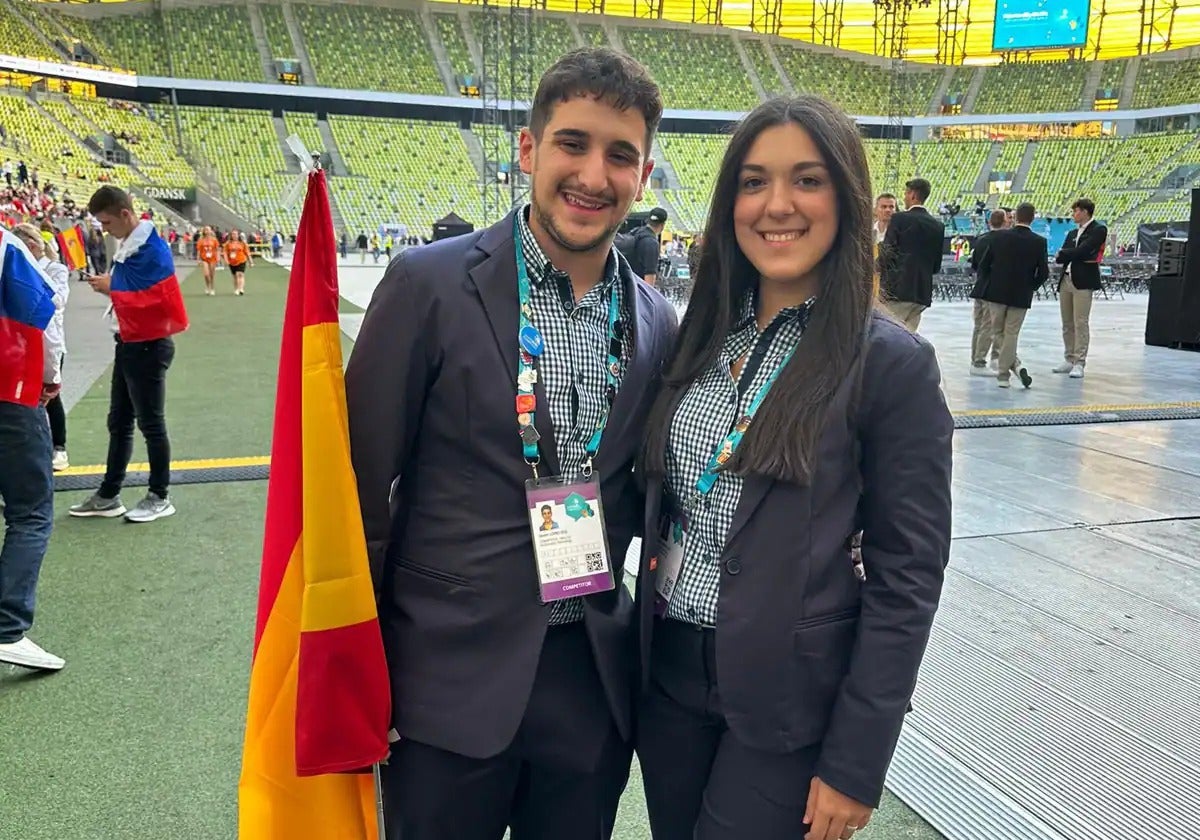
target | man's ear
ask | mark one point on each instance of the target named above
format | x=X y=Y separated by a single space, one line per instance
x=526 y=143
x=647 y=169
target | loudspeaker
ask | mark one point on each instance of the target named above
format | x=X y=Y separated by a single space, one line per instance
x=1172 y=254
x=1162 y=311
x=1189 y=299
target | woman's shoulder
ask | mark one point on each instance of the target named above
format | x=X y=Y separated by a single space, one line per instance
x=896 y=356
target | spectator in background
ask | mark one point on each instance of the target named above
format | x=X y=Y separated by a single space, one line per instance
x=147 y=307
x=1080 y=258
x=1015 y=267
x=909 y=256
x=30 y=377
x=642 y=248
x=983 y=341
x=60 y=284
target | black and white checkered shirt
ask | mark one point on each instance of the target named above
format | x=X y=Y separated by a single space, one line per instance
x=705 y=415
x=572 y=369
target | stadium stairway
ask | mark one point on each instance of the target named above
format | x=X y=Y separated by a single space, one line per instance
x=575 y=33
x=297 y=36
x=973 y=91
x=989 y=163
x=474 y=150
x=749 y=65
x=468 y=33
x=943 y=87
x=38 y=35
x=1024 y=168
x=440 y=57
x=260 y=41
x=1129 y=84
x=1091 y=84
x=335 y=154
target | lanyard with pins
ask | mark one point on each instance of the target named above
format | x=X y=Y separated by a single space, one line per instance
x=532 y=345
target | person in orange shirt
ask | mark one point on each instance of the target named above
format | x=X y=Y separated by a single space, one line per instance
x=237 y=255
x=208 y=251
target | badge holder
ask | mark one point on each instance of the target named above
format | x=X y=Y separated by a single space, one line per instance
x=569 y=542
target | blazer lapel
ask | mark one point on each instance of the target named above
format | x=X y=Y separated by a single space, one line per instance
x=754 y=490
x=495 y=280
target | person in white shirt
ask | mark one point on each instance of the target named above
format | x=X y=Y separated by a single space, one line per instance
x=60 y=282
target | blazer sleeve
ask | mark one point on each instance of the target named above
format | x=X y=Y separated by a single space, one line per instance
x=388 y=375
x=1042 y=269
x=890 y=245
x=1087 y=248
x=906 y=446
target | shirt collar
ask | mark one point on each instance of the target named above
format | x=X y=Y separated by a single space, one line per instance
x=746 y=313
x=538 y=265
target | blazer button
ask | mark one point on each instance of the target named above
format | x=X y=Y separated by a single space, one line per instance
x=733 y=565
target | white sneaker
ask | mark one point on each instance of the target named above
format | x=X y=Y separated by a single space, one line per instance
x=1077 y=371
x=60 y=462
x=150 y=508
x=25 y=653
x=1065 y=367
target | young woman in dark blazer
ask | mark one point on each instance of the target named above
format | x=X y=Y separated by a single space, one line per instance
x=798 y=472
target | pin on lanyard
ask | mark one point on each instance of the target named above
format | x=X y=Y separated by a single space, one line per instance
x=726 y=448
x=532 y=345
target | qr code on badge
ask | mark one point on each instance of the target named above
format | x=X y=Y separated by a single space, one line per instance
x=595 y=561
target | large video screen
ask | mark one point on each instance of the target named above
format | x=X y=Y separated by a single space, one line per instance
x=1040 y=24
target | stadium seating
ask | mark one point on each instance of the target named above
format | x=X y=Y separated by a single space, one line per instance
x=358 y=47
x=241 y=147
x=551 y=38
x=856 y=86
x=305 y=126
x=593 y=35
x=133 y=41
x=693 y=70
x=15 y=37
x=763 y=68
x=456 y=45
x=275 y=27
x=1044 y=86
x=1112 y=75
x=151 y=142
x=213 y=42
x=1162 y=83
x=408 y=172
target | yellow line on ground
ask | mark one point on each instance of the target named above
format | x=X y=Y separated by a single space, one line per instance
x=199 y=464
x=1070 y=409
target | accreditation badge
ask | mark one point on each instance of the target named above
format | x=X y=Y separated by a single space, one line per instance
x=669 y=565
x=569 y=541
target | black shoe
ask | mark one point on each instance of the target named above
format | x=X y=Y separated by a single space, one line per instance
x=1026 y=379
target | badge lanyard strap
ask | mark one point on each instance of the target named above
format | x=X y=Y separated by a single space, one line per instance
x=530 y=345
x=733 y=440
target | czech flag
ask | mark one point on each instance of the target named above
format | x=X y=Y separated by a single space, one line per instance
x=145 y=292
x=26 y=307
x=320 y=703
x=70 y=245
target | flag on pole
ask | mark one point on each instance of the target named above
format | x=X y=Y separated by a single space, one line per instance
x=319 y=706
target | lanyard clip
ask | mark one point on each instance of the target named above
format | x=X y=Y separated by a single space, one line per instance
x=533 y=465
x=586 y=469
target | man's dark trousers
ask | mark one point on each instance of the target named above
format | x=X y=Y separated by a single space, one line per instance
x=560 y=779
x=139 y=392
x=27 y=485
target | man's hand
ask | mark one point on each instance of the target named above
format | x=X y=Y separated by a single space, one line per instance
x=100 y=282
x=832 y=815
x=50 y=390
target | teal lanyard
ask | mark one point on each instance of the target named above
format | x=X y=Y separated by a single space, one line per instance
x=531 y=345
x=729 y=445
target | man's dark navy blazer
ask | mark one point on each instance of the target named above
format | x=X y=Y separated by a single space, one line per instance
x=431 y=387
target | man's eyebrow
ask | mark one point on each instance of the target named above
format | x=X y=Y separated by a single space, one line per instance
x=577 y=134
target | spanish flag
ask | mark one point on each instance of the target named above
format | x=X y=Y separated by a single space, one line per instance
x=319 y=706
x=70 y=246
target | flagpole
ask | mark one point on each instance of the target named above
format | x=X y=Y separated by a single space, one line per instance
x=378 y=800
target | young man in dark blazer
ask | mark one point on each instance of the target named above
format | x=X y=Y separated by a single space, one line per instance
x=1080 y=258
x=984 y=341
x=911 y=253
x=520 y=352
x=1014 y=267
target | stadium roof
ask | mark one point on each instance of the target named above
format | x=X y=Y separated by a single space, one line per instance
x=954 y=31
x=1116 y=27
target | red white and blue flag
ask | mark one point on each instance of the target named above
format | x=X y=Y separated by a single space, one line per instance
x=145 y=293
x=26 y=307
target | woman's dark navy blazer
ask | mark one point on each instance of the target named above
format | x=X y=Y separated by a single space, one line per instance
x=806 y=653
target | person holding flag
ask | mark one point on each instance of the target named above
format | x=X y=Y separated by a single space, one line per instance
x=30 y=350
x=147 y=308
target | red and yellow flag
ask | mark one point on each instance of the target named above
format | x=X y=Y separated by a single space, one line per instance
x=70 y=245
x=319 y=705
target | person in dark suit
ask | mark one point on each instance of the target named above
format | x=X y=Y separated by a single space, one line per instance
x=1015 y=266
x=982 y=343
x=911 y=253
x=1080 y=258
x=512 y=712
x=798 y=473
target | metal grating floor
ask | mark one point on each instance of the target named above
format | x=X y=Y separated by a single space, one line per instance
x=1060 y=697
